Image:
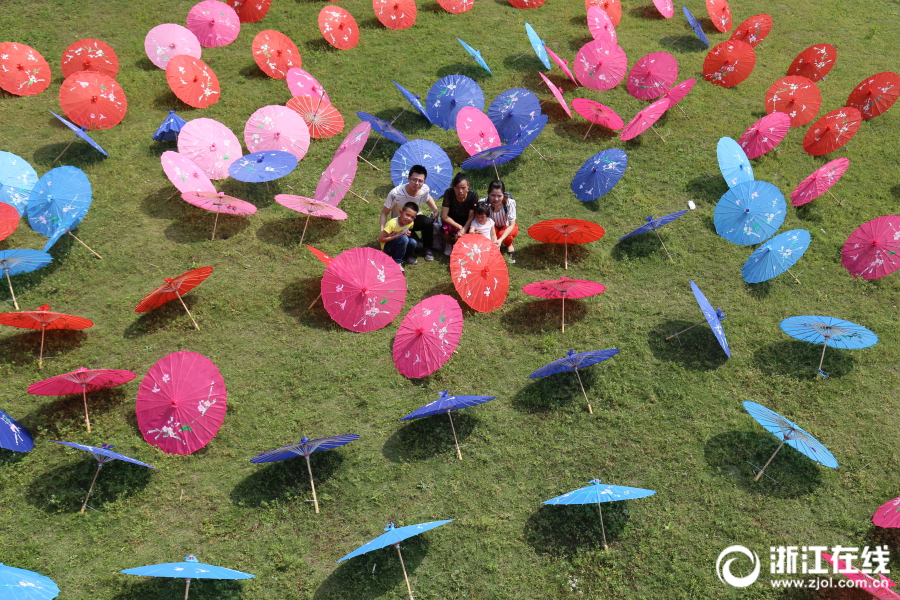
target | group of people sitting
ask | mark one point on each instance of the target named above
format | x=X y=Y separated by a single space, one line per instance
x=405 y=227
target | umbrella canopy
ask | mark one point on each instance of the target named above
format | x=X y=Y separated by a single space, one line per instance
x=93 y=100
x=427 y=337
x=601 y=26
x=310 y=207
x=677 y=93
x=301 y=83
x=652 y=75
x=324 y=258
x=338 y=27
x=832 y=131
x=355 y=140
x=363 y=289
x=165 y=42
x=645 y=119
x=184 y=174
x=776 y=256
x=562 y=64
x=654 y=224
x=383 y=127
x=192 y=81
x=429 y=155
x=169 y=128
x=448 y=96
x=187 y=570
x=214 y=23
x=537 y=45
x=17 y=178
x=13 y=436
x=873 y=250
x=754 y=30
x=41 y=318
x=525 y=4
x=173 y=288
x=529 y=133
x=79 y=133
x=267 y=165
x=572 y=362
x=819 y=182
x=493 y=157
x=828 y=331
x=733 y=162
x=875 y=94
x=479 y=272
x=81 y=382
x=250 y=11
x=393 y=536
x=713 y=317
x=729 y=63
x=62 y=194
x=456 y=7
x=665 y=8
x=815 y=62
x=599 y=174
x=323 y=120
x=476 y=131
x=277 y=128
x=695 y=25
x=597 y=113
x=218 y=202
x=445 y=404
x=749 y=213
x=414 y=99
x=89 y=55
x=210 y=145
x=797 y=97
x=23 y=71
x=564 y=288
x=512 y=111
x=557 y=93
x=720 y=14
x=888 y=515
x=395 y=14
x=28 y=585
x=275 y=53
x=612 y=7
x=9 y=220
x=336 y=179
x=600 y=67
x=765 y=134
x=879 y=588
x=566 y=231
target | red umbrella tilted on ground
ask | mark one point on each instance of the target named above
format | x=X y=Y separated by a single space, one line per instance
x=797 y=97
x=729 y=63
x=250 y=11
x=566 y=231
x=720 y=14
x=363 y=289
x=338 y=27
x=23 y=71
x=323 y=119
x=325 y=259
x=81 y=382
x=832 y=131
x=875 y=94
x=93 y=100
x=173 y=288
x=815 y=62
x=395 y=14
x=427 y=336
x=43 y=319
x=754 y=30
x=612 y=7
x=275 y=53
x=479 y=272
x=90 y=55
x=192 y=81
x=562 y=289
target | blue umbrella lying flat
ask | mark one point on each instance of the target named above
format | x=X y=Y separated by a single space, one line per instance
x=493 y=157
x=476 y=56
x=828 y=330
x=599 y=174
x=572 y=362
x=170 y=127
x=17 y=177
x=448 y=96
x=512 y=111
x=529 y=133
x=22 y=584
x=653 y=224
x=190 y=569
x=749 y=213
x=80 y=132
x=444 y=404
x=13 y=436
x=264 y=166
x=304 y=448
x=20 y=260
x=712 y=316
x=102 y=455
x=58 y=203
x=776 y=256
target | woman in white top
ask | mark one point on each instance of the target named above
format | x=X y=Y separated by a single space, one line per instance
x=503 y=213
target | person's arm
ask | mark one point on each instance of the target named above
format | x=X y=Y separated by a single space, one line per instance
x=383 y=219
x=493 y=233
x=431 y=204
x=384 y=237
x=510 y=219
x=446 y=220
x=469 y=220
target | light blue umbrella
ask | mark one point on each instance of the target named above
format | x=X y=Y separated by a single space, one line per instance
x=733 y=162
x=776 y=256
x=695 y=25
x=190 y=569
x=17 y=177
x=13 y=436
x=789 y=433
x=414 y=100
x=828 y=331
x=22 y=584
x=599 y=174
x=598 y=493
x=170 y=127
x=476 y=55
x=429 y=155
x=102 y=454
x=713 y=317
x=62 y=194
x=448 y=96
x=445 y=404
x=492 y=157
x=572 y=362
x=749 y=213
x=62 y=230
x=80 y=132
x=383 y=127
x=21 y=260
x=538 y=44
x=512 y=111
x=653 y=224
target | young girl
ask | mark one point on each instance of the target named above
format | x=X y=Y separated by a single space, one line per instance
x=503 y=214
x=483 y=224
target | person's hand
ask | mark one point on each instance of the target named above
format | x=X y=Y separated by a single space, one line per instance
x=460 y=228
x=497 y=242
x=406 y=232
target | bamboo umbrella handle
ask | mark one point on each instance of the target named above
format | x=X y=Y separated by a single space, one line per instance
x=312 y=485
x=683 y=330
x=87 y=418
x=186 y=309
x=405 y=577
x=90 y=489
x=456 y=441
x=760 y=474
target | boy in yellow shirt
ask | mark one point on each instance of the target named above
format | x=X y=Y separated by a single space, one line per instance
x=396 y=237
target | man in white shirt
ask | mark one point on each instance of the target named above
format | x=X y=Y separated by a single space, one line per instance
x=415 y=190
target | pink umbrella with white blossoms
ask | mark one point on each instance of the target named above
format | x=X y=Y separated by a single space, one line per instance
x=601 y=26
x=820 y=182
x=310 y=208
x=562 y=64
x=557 y=93
x=184 y=174
x=218 y=202
x=889 y=514
x=476 y=131
x=214 y=23
x=677 y=93
x=211 y=145
x=277 y=127
x=600 y=67
x=363 y=289
x=597 y=113
x=652 y=75
x=81 y=382
x=301 y=83
x=165 y=42
x=878 y=588
x=337 y=179
x=665 y=8
x=644 y=120
x=765 y=134
x=354 y=142
x=873 y=249
x=427 y=336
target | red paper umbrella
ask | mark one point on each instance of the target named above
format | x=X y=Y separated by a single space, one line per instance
x=427 y=336
x=326 y=259
x=832 y=131
x=23 y=71
x=336 y=180
x=815 y=62
x=677 y=93
x=175 y=287
x=665 y=8
x=218 y=202
x=797 y=97
x=526 y=3
x=43 y=319
x=457 y=6
x=720 y=14
x=363 y=289
x=90 y=55
x=192 y=81
x=323 y=120
x=395 y=14
x=476 y=131
x=820 y=182
x=562 y=64
x=214 y=23
x=9 y=220
x=652 y=75
x=875 y=94
x=597 y=113
x=729 y=63
x=81 y=382
x=479 y=272
x=601 y=26
x=888 y=515
x=873 y=250
x=93 y=100
x=644 y=120
x=754 y=30
x=600 y=67
x=557 y=93
x=564 y=288
x=250 y=11
x=765 y=134
x=181 y=403
x=566 y=231
x=275 y=53
x=612 y=7
x=338 y=27
x=310 y=208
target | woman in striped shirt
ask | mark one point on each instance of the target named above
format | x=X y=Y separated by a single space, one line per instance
x=503 y=213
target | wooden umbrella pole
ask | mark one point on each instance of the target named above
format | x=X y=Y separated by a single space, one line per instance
x=455 y=441
x=564 y=314
x=664 y=245
x=496 y=173
x=792 y=275
x=87 y=418
x=566 y=256
x=403 y=566
x=64 y=150
x=172 y=196
x=588 y=131
x=682 y=110
x=840 y=202
x=760 y=474
x=316 y=300
x=602 y=528
x=312 y=485
x=41 y=353
x=83 y=244
x=822 y=358
x=187 y=588
x=539 y=152
x=657 y=133
x=215 y=225
x=683 y=330
x=91 y=489
x=187 y=311
x=590 y=410
x=357 y=195
x=372 y=149
x=305 y=225
x=11 y=292
x=367 y=162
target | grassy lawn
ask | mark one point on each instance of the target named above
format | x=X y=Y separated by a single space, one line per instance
x=667 y=415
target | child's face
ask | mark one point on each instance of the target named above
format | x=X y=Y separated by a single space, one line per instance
x=482 y=219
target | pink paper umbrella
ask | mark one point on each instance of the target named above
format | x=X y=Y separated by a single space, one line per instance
x=277 y=127
x=644 y=120
x=873 y=250
x=677 y=93
x=600 y=67
x=878 y=588
x=218 y=202
x=665 y=8
x=81 y=382
x=820 y=182
x=363 y=289
x=652 y=75
x=181 y=403
x=557 y=93
x=301 y=83
x=765 y=134
x=428 y=336
x=165 y=42
x=354 y=142
x=337 y=179
x=601 y=26
x=562 y=64
x=476 y=131
x=211 y=145
x=184 y=174
x=214 y=23
x=889 y=514
x=597 y=113
x=310 y=208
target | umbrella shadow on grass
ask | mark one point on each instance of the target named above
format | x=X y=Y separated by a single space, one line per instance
x=286 y=480
x=706 y=189
x=163 y=204
x=375 y=574
x=64 y=412
x=800 y=360
x=550 y=256
x=526 y=62
x=163 y=317
x=810 y=213
x=683 y=43
x=252 y=71
x=421 y=439
x=559 y=391
x=648 y=11
x=565 y=530
x=196 y=225
x=296 y=298
x=469 y=68
x=319 y=44
x=697 y=349
x=24 y=348
x=80 y=154
x=729 y=454
x=538 y=316
x=173 y=587
x=639 y=246
x=287 y=232
x=759 y=290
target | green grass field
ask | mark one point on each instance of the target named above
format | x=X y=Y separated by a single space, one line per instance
x=667 y=415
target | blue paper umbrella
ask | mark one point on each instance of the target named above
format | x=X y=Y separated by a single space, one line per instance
x=512 y=111
x=13 y=436
x=414 y=100
x=529 y=133
x=538 y=44
x=20 y=260
x=448 y=96
x=383 y=127
x=749 y=213
x=599 y=174
x=695 y=25
x=62 y=194
x=493 y=157
x=17 y=177
x=102 y=454
x=789 y=433
x=476 y=55
x=572 y=362
x=429 y=155
x=80 y=132
x=733 y=162
x=22 y=584
x=653 y=224
x=776 y=256
x=190 y=569
x=710 y=315
x=170 y=127
x=828 y=331
x=598 y=493
x=305 y=448
x=445 y=404
x=267 y=165
x=61 y=230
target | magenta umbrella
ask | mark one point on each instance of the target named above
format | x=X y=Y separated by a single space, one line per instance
x=427 y=336
x=184 y=174
x=310 y=208
x=476 y=131
x=677 y=93
x=337 y=179
x=301 y=83
x=165 y=42
x=820 y=182
x=214 y=23
x=354 y=142
x=600 y=67
x=277 y=127
x=765 y=134
x=597 y=113
x=211 y=145
x=665 y=8
x=562 y=64
x=557 y=93
x=601 y=26
x=644 y=120
x=80 y=381
x=652 y=75
x=218 y=202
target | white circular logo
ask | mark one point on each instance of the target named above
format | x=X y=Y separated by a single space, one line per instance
x=724 y=570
